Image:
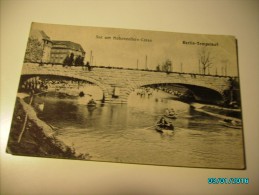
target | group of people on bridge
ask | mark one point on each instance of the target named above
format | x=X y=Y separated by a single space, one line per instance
x=67 y=63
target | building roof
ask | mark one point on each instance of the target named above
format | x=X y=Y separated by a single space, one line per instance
x=68 y=45
x=44 y=35
x=39 y=34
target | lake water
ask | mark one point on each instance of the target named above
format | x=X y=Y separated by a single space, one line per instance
x=124 y=132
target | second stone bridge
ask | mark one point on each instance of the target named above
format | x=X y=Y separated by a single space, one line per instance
x=127 y=80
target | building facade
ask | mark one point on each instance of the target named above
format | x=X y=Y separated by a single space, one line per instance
x=40 y=48
x=61 y=49
x=47 y=45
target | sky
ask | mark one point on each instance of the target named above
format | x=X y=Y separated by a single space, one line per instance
x=148 y=47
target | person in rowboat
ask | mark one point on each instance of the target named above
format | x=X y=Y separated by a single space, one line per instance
x=162 y=123
x=170 y=113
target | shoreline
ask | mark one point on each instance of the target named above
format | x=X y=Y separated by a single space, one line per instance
x=38 y=138
x=216 y=111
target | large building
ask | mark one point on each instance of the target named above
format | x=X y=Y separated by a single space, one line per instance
x=38 y=47
x=41 y=48
x=47 y=45
x=61 y=49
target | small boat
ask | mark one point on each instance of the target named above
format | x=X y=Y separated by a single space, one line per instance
x=170 y=113
x=171 y=116
x=163 y=126
x=41 y=107
x=91 y=103
x=232 y=124
x=165 y=129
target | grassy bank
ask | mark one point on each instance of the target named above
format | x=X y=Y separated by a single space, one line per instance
x=223 y=111
x=38 y=138
x=219 y=112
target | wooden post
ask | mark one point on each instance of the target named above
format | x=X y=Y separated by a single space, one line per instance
x=91 y=57
x=25 y=122
x=146 y=63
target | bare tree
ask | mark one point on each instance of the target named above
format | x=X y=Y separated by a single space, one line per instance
x=205 y=60
x=167 y=66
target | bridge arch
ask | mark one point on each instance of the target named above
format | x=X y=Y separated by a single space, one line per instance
x=76 y=77
x=204 y=94
x=200 y=93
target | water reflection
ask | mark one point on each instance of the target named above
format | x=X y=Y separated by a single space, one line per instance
x=126 y=132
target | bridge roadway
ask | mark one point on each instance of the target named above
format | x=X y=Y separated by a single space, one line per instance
x=126 y=80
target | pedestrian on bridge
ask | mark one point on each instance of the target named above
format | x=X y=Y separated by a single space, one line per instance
x=88 y=66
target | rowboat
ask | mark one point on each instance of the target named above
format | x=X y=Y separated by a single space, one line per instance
x=171 y=116
x=231 y=124
x=165 y=129
x=170 y=113
x=91 y=103
x=41 y=107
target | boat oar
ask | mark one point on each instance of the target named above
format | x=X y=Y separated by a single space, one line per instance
x=176 y=113
x=150 y=127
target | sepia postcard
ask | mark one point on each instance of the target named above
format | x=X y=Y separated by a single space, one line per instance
x=129 y=96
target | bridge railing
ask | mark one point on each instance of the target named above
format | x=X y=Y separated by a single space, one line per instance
x=135 y=69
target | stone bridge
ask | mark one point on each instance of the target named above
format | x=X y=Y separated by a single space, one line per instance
x=127 y=80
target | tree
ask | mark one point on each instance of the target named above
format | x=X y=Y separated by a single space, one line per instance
x=34 y=50
x=158 y=67
x=167 y=66
x=232 y=94
x=66 y=61
x=205 y=60
x=78 y=60
x=71 y=60
x=82 y=61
